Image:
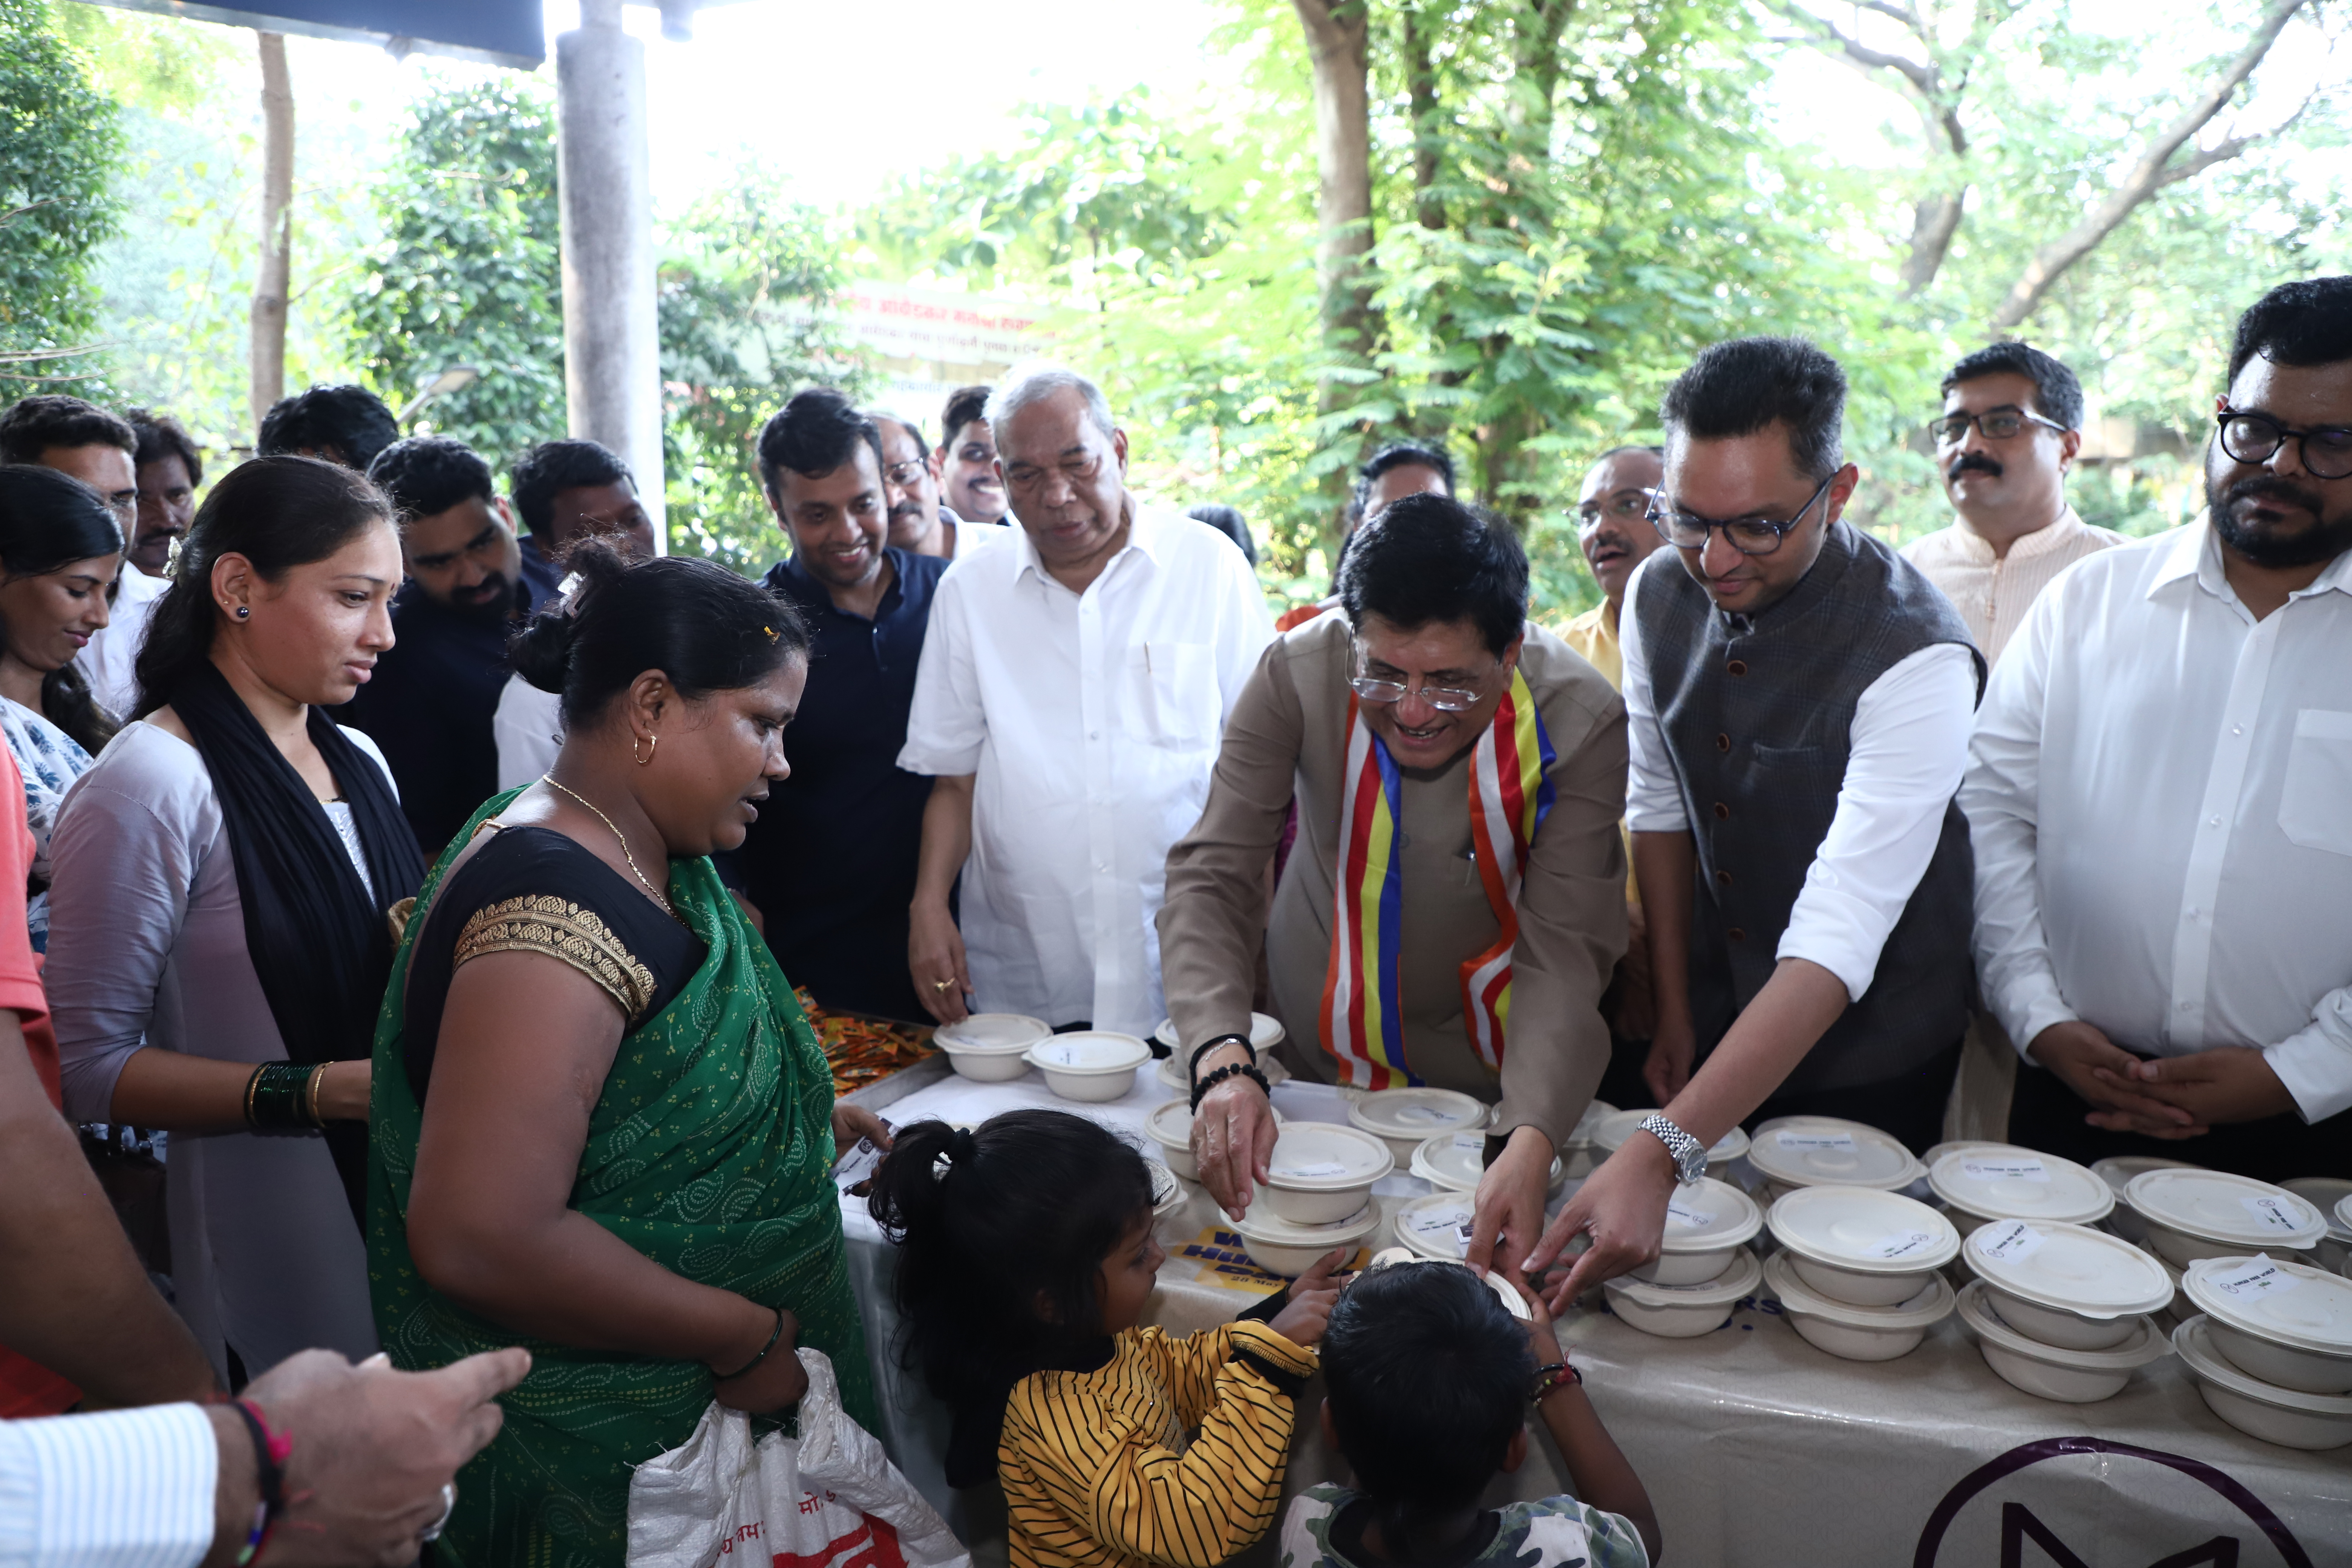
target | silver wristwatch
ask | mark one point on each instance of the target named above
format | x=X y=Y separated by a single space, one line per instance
x=1689 y=1154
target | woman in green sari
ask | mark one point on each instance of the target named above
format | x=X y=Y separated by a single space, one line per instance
x=601 y=1127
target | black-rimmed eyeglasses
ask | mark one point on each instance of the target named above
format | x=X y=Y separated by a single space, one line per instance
x=2254 y=437
x=1747 y=535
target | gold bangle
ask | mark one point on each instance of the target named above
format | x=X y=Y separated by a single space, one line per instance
x=310 y=1094
x=252 y=1082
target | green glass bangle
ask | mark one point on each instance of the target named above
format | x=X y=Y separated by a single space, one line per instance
x=274 y=1098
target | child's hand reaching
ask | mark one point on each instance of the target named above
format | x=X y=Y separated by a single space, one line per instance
x=1311 y=1295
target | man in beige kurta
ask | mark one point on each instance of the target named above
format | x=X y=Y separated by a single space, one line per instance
x=1287 y=738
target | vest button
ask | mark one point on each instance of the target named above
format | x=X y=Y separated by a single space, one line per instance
x=1723 y=742
x=1722 y=812
x=1736 y=934
x=1723 y=879
x=1737 y=667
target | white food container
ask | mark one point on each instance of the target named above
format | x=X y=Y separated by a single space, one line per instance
x=2053 y=1372
x=1319 y=1173
x=1579 y=1152
x=2177 y=1311
x=1685 y=1312
x=2194 y=1213
x=1861 y=1246
x=1170 y=1125
x=1609 y=1135
x=1265 y=1033
x=2117 y=1170
x=1455 y=1161
x=2000 y=1180
x=1852 y=1332
x=1405 y=1119
x=1706 y=1224
x=1168 y=1194
x=1278 y=1246
x=1495 y=1283
x=1436 y=1226
x=2259 y=1409
x=1089 y=1065
x=2331 y=1196
x=990 y=1047
x=1792 y=1151
x=2065 y=1285
x=2284 y=1322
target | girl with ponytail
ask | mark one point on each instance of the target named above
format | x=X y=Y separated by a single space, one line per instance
x=1025 y=1261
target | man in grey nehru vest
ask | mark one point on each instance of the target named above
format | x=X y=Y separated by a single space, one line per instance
x=1799 y=700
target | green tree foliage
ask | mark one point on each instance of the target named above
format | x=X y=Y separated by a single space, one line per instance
x=60 y=152
x=468 y=271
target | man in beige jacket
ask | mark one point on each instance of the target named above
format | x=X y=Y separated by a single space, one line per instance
x=1385 y=724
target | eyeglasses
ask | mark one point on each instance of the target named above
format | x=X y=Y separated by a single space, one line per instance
x=1997 y=423
x=1747 y=535
x=2254 y=438
x=1445 y=699
x=1625 y=506
x=904 y=473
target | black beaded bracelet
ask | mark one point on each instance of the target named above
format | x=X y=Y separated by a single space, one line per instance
x=1230 y=1069
x=277 y=1097
x=1193 y=1062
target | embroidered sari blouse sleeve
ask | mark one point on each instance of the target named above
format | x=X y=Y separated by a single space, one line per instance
x=562 y=930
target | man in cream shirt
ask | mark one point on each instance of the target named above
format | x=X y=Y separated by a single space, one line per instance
x=1073 y=688
x=2159 y=793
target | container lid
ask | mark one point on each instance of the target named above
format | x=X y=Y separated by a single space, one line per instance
x=2070 y=1267
x=1822 y=1150
x=1088 y=1052
x=1264 y=1224
x=1931 y=1305
x=1010 y=1032
x=1322 y=1157
x=1265 y=1031
x=2194 y=1340
x=1940 y=1150
x=1864 y=1229
x=2331 y=1196
x=1707 y=1217
x=1435 y=1227
x=1739 y=1280
x=2344 y=1213
x=2117 y=1170
x=1612 y=1132
x=2147 y=1344
x=2287 y=1303
x=2213 y=1206
x=1495 y=1283
x=1168 y=1194
x=1457 y=1160
x=1594 y=1114
x=1416 y=1113
x=2000 y=1180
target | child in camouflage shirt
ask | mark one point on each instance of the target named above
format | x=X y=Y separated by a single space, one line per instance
x=1429 y=1374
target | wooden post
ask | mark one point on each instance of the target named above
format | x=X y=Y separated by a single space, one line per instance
x=270 y=288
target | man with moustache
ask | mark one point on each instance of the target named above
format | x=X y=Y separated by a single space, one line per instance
x=1799 y=700
x=469 y=587
x=920 y=524
x=101 y=450
x=2010 y=426
x=830 y=865
x=2161 y=792
x=1399 y=470
x=967 y=458
x=1072 y=687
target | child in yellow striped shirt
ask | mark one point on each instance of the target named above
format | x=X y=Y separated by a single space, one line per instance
x=1025 y=1261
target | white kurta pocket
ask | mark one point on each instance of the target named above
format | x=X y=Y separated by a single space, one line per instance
x=2315 y=804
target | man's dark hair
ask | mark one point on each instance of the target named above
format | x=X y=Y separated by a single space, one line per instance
x=34 y=425
x=965 y=403
x=2056 y=394
x=552 y=466
x=2306 y=322
x=1430 y=558
x=913 y=431
x=1619 y=451
x=343 y=424
x=816 y=431
x=161 y=436
x=427 y=474
x=1396 y=455
x=1747 y=384
x=1230 y=523
x=1427 y=1373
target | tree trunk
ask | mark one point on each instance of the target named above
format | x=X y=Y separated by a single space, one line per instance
x=1420 y=88
x=1343 y=160
x=270 y=288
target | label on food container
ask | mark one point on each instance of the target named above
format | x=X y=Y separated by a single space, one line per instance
x=2012 y=1242
x=1688 y=1218
x=2257 y=1277
x=1320 y=1168
x=1425 y=1116
x=1842 y=1141
x=2274 y=1214
x=1900 y=1244
x=1470 y=1140
x=2024 y=1169
x=1439 y=1219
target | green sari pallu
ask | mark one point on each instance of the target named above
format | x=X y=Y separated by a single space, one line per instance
x=710 y=1151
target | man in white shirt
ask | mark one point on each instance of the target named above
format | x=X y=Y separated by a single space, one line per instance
x=2010 y=426
x=1073 y=688
x=2160 y=793
x=1798 y=701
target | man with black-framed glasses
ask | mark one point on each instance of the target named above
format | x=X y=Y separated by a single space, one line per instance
x=1797 y=700
x=2009 y=432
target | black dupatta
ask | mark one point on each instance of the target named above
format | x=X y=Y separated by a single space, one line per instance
x=319 y=942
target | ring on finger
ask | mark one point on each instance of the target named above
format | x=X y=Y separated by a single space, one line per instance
x=448 y=1506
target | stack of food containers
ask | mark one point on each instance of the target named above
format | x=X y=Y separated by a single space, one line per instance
x=1793 y=1151
x=1265 y=1033
x=1579 y=1152
x=1980 y=1182
x=1317 y=1195
x=1405 y=1119
x=990 y=1047
x=2117 y=1171
x=1609 y=1135
x=2331 y=1196
x=2194 y=1213
x=2272 y=1351
x=1095 y=1065
x=1856 y=1274
x=2060 y=1311
x=1704 y=1266
x=1455 y=1161
x=1169 y=1126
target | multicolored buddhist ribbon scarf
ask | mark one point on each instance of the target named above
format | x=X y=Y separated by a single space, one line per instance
x=1510 y=794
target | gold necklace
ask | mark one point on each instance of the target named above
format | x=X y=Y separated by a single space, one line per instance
x=659 y=897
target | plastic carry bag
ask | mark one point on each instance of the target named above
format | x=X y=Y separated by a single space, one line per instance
x=828 y=1499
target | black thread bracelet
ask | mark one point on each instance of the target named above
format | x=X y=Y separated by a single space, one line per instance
x=1193 y=1062
x=752 y=1365
x=1230 y=1069
x=1549 y=1380
x=270 y=1481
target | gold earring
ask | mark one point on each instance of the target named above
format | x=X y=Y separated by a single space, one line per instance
x=651 y=742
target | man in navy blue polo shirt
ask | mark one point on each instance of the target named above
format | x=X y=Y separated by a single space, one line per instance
x=829 y=864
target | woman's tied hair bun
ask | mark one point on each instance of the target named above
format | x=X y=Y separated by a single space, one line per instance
x=962 y=1148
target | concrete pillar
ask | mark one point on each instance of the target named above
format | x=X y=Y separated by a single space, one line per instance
x=612 y=351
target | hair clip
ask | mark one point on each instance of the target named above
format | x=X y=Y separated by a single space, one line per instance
x=772 y=633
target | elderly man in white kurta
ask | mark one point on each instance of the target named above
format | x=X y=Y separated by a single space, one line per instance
x=1073 y=689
